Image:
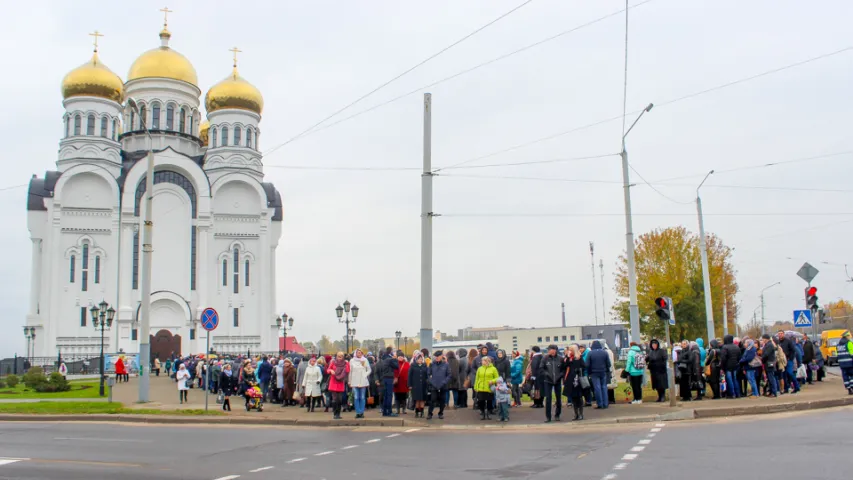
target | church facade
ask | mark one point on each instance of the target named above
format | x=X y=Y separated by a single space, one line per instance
x=216 y=224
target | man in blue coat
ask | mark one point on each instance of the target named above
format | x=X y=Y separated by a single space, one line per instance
x=598 y=365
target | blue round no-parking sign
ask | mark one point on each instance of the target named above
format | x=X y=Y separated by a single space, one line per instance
x=209 y=319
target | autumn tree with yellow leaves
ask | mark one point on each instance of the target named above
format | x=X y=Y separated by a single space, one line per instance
x=668 y=263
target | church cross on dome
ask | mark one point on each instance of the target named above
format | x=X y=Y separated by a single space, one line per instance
x=96 y=34
x=235 y=50
x=166 y=13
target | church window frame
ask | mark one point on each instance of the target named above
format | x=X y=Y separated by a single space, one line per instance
x=236 y=270
x=132 y=119
x=237 y=136
x=135 y=269
x=257 y=140
x=213 y=137
x=170 y=117
x=167 y=176
x=67 y=126
x=155 y=116
x=90 y=125
x=224 y=273
x=97 y=269
x=143 y=117
x=115 y=129
x=78 y=120
x=236 y=317
x=182 y=121
x=83 y=315
x=71 y=267
x=84 y=268
x=224 y=137
x=193 y=258
x=246 y=272
x=249 y=137
x=104 y=126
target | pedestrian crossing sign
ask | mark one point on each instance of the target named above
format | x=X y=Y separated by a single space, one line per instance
x=802 y=318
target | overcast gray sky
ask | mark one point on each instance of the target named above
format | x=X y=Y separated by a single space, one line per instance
x=356 y=234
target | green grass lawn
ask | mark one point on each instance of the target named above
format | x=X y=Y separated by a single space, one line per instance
x=92 y=408
x=79 y=389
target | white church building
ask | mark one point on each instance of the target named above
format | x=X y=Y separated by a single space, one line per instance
x=216 y=222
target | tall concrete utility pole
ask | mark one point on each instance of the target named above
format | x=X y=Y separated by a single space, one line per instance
x=706 y=276
x=603 y=308
x=426 y=229
x=563 y=305
x=594 y=289
x=725 y=315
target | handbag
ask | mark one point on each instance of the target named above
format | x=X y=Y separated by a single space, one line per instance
x=370 y=401
x=467 y=383
x=297 y=397
x=584 y=381
x=220 y=399
x=537 y=394
x=624 y=374
x=707 y=370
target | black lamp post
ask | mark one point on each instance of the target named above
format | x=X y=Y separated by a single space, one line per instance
x=398 y=333
x=283 y=322
x=339 y=311
x=30 y=334
x=102 y=318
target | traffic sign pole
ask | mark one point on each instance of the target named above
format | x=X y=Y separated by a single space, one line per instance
x=207 y=377
x=209 y=322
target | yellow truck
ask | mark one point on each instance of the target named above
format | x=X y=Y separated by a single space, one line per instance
x=828 y=340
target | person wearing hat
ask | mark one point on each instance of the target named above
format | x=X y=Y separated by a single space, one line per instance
x=551 y=370
x=439 y=377
x=844 y=351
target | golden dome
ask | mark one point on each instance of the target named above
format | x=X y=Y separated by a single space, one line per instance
x=203 y=130
x=93 y=79
x=234 y=92
x=163 y=62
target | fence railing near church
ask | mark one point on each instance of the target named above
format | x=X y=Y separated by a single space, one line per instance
x=76 y=365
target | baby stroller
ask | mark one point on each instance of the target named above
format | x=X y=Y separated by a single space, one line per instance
x=254 y=399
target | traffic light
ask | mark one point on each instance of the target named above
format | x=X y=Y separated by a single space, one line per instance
x=811 y=298
x=663 y=308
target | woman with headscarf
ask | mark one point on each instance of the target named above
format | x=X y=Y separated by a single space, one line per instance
x=749 y=362
x=656 y=360
x=227 y=385
x=278 y=378
x=461 y=388
x=572 y=386
x=683 y=366
x=453 y=384
x=473 y=354
x=121 y=371
x=486 y=377
x=338 y=372
x=401 y=382
x=712 y=367
x=359 y=373
x=288 y=386
x=311 y=384
x=300 y=374
x=418 y=382
x=182 y=377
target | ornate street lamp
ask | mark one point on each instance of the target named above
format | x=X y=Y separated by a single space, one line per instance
x=30 y=334
x=283 y=322
x=102 y=318
x=398 y=334
x=339 y=311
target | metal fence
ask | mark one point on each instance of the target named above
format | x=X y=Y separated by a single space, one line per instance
x=75 y=365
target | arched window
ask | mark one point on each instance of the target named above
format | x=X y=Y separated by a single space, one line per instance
x=170 y=117
x=155 y=116
x=104 y=126
x=190 y=130
x=236 y=270
x=97 y=269
x=213 y=137
x=90 y=125
x=115 y=129
x=183 y=120
x=67 y=126
x=224 y=272
x=143 y=117
x=257 y=140
x=224 y=136
x=84 y=270
x=246 y=273
x=249 y=137
x=237 y=135
x=71 y=267
x=77 y=121
x=132 y=119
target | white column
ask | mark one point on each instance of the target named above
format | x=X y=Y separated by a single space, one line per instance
x=35 y=277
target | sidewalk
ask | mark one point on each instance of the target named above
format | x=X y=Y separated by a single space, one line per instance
x=164 y=396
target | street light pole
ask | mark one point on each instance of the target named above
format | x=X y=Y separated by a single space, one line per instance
x=30 y=334
x=147 y=252
x=397 y=334
x=633 y=308
x=763 y=326
x=102 y=317
x=706 y=275
x=339 y=311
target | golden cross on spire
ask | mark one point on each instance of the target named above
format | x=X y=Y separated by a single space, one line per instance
x=96 y=35
x=166 y=13
x=236 y=51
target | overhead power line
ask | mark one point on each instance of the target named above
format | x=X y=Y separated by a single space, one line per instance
x=622 y=214
x=394 y=79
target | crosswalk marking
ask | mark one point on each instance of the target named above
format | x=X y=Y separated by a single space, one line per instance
x=7 y=461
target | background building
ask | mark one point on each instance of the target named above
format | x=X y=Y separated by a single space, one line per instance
x=484 y=333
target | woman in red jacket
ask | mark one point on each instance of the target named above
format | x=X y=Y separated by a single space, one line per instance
x=338 y=373
x=401 y=383
x=121 y=372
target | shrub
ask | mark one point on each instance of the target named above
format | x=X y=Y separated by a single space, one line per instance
x=56 y=383
x=2 y=384
x=12 y=380
x=34 y=376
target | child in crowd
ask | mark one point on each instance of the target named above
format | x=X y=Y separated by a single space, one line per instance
x=502 y=398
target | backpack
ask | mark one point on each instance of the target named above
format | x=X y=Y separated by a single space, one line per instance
x=640 y=361
x=781 y=359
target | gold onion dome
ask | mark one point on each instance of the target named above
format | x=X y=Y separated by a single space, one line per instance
x=93 y=79
x=234 y=92
x=163 y=62
x=204 y=132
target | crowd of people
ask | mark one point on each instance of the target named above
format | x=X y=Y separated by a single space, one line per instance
x=426 y=384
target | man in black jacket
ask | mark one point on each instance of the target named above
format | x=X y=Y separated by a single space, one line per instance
x=538 y=385
x=390 y=368
x=439 y=377
x=551 y=372
x=808 y=357
x=729 y=359
x=768 y=358
x=790 y=351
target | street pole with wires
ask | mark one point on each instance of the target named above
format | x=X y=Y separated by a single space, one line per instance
x=706 y=275
x=426 y=228
x=594 y=289
x=603 y=308
x=633 y=308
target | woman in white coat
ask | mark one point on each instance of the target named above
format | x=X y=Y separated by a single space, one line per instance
x=359 y=371
x=182 y=377
x=311 y=384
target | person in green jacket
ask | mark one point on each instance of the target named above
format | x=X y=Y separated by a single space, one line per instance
x=636 y=368
x=486 y=377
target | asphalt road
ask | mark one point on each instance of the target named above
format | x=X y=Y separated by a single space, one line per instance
x=807 y=445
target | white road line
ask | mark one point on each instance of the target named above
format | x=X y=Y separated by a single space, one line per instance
x=629 y=456
x=321 y=454
x=88 y=439
x=295 y=460
x=637 y=449
x=609 y=477
x=393 y=435
x=655 y=430
x=7 y=461
x=260 y=469
x=644 y=442
x=374 y=440
x=348 y=447
x=651 y=435
x=229 y=477
x=620 y=466
x=660 y=424
x=412 y=430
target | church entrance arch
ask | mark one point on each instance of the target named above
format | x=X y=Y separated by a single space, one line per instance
x=165 y=345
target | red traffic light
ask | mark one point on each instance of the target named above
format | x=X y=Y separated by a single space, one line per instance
x=661 y=302
x=811 y=291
